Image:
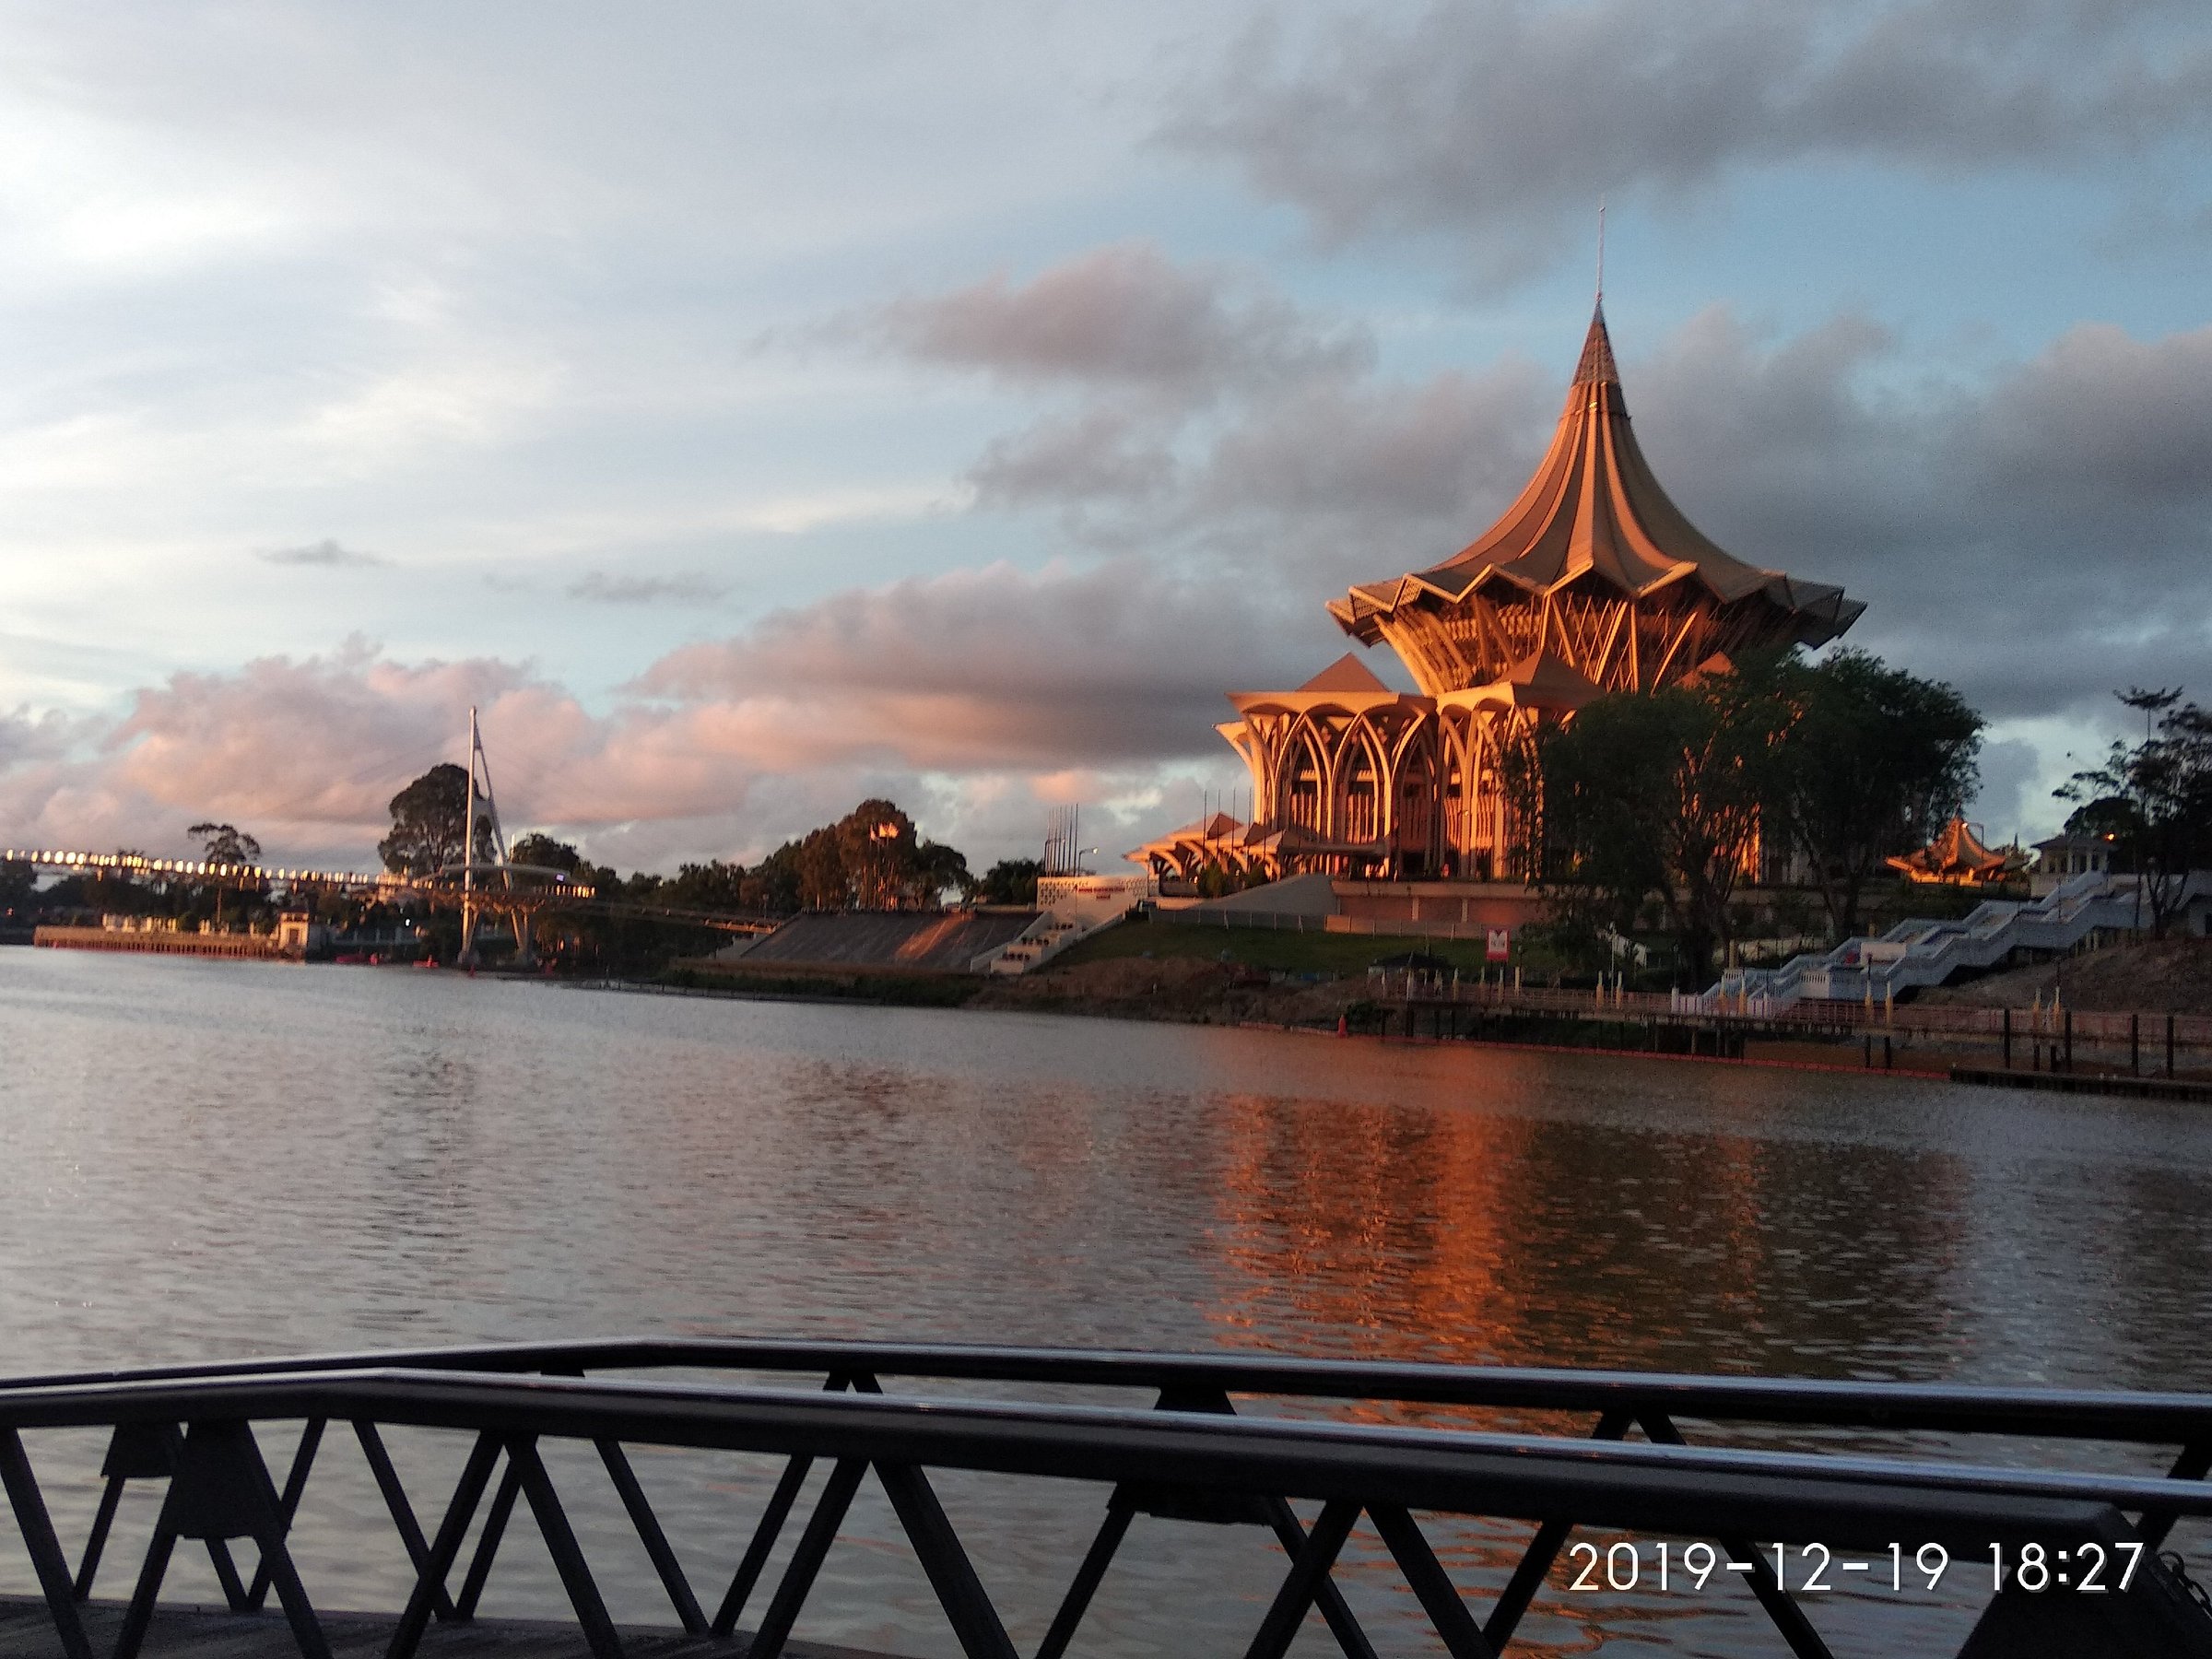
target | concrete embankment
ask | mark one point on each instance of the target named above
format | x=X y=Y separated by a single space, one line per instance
x=251 y=946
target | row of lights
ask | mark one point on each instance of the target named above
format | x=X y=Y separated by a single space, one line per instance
x=180 y=867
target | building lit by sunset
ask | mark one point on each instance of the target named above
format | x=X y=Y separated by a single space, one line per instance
x=1592 y=581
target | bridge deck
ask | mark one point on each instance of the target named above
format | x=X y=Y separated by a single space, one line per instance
x=194 y=1632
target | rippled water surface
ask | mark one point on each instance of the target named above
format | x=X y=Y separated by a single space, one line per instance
x=210 y=1158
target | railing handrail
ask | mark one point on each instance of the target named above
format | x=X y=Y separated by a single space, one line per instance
x=2077 y=1413
x=1654 y=1486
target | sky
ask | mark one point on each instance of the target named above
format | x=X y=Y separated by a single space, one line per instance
x=750 y=408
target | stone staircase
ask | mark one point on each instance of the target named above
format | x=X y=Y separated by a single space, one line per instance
x=1920 y=953
x=1039 y=942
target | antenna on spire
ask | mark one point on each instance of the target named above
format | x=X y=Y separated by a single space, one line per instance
x=1601 y=250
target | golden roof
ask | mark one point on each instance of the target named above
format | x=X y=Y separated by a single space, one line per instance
x=1595 y=511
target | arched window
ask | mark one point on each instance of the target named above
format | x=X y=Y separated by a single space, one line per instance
x=1301 y=773
x=1362 y=820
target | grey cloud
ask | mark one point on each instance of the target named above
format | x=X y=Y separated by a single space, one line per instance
x=1123 y=662
x=1125 y=315
x=1409 y=455
x=1500 y=120
x=326 y=553
x=1098 y=453
x=2038 y=537
x=597 y=587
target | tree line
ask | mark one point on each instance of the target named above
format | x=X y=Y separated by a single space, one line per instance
x=873 y=858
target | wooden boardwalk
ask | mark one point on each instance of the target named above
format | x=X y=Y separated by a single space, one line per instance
x=195 y=1632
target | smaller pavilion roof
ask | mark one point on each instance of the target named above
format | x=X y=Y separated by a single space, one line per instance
x=1958 y=855
x=1348 y=673
x=1538 y=681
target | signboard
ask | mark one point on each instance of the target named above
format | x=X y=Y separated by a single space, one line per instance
x=1499 y=946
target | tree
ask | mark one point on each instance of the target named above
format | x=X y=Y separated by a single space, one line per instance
x=935 y=870
x=1010 y=881
x=430 y=824
x=225 y=843
x=877 y=846
x=713 y=885
x=18 y=880
x=1657 y=795
x=540 y=849
x=2154 y=798
x=772 y=887
x=1875 y=763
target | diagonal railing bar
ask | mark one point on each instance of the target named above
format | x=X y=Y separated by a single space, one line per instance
x=1781 y=1606
x=1113 y=1529
x=430 y=1583
x=1543 y=1549
x=770 y=1528
x=397 y=1506
x=2193 y=1463
x=657 y=1548
x=820 y=1533
x=135 y=1451
x=1334 y=1610
x=36 y=1525
x=560 y=1540
x=1432 y=1585
x=974 y=1620
x=288 y=1502
x=275 y=1552
x=489 y=1539
x=96 y=1541
x=1309 y=1569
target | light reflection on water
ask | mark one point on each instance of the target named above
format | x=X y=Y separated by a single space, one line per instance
x=206 y=1159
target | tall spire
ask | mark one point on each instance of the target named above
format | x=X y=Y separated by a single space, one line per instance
x=1597 y=367
x=1601 y=250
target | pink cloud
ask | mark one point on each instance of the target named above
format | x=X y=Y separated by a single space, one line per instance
x=984 y=693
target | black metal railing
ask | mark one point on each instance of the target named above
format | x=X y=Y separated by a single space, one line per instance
x=1189 y=1454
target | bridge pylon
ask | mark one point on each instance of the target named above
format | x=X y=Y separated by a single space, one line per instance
x=479 y=790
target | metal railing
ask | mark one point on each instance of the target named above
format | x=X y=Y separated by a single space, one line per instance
x=1189 y=1453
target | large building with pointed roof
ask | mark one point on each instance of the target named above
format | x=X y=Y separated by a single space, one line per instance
x=1592 y=581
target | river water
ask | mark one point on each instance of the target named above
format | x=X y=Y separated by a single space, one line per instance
x=207 y=1158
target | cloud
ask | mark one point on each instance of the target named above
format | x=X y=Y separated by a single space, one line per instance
x=326 y=553
x=1498 y=121
x=688 y=587
x=975 y=670
x=1124 y=316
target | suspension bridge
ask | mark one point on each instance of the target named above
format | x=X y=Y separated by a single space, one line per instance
x=493 y=892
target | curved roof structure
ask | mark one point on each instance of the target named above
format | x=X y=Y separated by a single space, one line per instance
x=1594 y=513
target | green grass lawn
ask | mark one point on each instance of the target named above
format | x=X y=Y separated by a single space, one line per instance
x=1260 y=947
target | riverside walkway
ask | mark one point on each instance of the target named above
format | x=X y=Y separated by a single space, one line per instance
x=2169 y=1054
x=1207 y=1439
